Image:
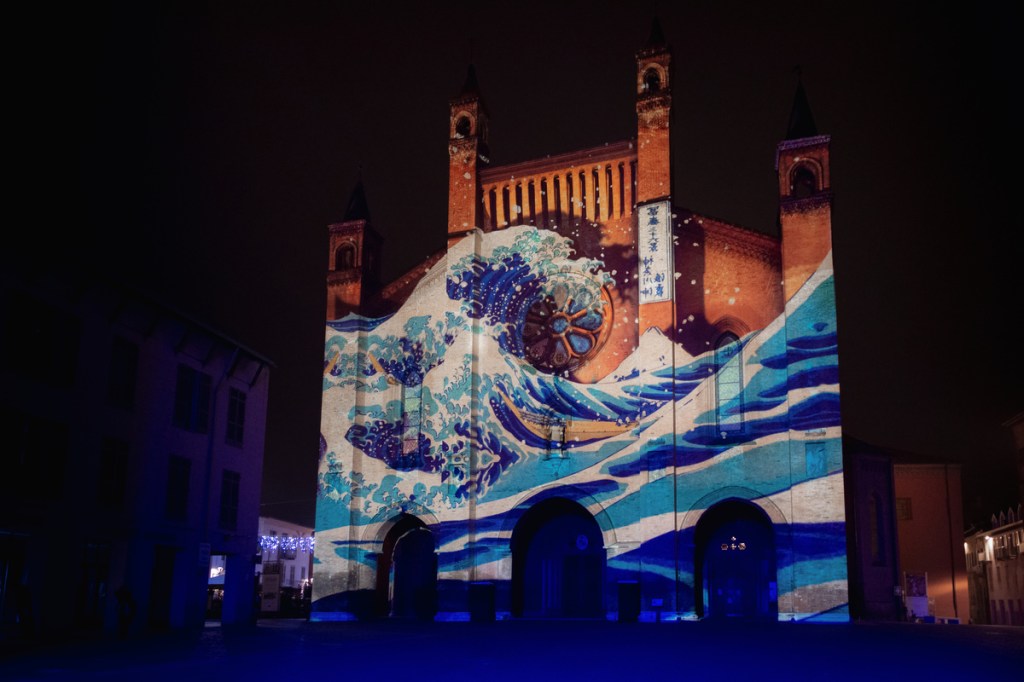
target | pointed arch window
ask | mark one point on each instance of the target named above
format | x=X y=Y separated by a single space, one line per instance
x=729 y=383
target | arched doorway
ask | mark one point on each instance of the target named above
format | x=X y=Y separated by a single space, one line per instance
x=558 y=562
x=407 y=571
x=735 y=563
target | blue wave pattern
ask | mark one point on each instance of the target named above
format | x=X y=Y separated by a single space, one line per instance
x=478 y=465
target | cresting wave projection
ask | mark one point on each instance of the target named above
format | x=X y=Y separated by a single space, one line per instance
x=641 y=450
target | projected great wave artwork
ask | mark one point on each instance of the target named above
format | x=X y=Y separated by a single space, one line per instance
x=466 y=470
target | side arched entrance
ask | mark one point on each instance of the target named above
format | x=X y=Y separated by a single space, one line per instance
x=735 y=563
x=558 y=562
x=407 y=571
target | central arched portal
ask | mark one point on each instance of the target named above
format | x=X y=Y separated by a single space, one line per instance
x=558 y=562
x=735 y=563
x=407 y=571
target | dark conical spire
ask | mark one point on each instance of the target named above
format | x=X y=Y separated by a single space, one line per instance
x=470 y=87
x=357 y=208
x=801 y=120
x=657 y=37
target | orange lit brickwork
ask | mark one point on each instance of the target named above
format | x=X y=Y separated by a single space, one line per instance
x=345 y=279
x=805 y=208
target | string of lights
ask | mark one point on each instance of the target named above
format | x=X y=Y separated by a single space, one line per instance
x=288 y=543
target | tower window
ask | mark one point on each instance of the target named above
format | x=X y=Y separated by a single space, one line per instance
x=345 y=256
x=463 y=126
x=492 y=198
x=652 y=81
x=804 y=183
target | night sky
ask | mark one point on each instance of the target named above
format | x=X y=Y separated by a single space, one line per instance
x=201 y=149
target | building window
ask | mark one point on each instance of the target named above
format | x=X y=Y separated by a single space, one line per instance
x=113 y=474
x=815 y=459
x=556 y=440
x=236 y=416
x=229 y=484
x=728 y=384
x=412 y=414
x=192 y=400
x=904 y=510
x=179 y=471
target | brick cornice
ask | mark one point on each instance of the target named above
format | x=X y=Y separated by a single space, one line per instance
x=815 y=201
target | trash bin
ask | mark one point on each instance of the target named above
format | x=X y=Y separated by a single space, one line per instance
x=629 y=601
x=481 y=602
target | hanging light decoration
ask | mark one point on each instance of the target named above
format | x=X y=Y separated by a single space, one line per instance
x=292 y=544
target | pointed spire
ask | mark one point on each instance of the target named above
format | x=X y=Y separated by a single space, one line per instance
x=657 y=37
x=801 y=121
x=357 y=208
x=470 y=87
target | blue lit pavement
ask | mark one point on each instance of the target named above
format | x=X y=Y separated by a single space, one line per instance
x=534 y=651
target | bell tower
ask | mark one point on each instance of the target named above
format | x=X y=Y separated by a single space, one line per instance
x=653 y=211
x=467 y=154
x=805 y=196
x=653 y=109
x=353 y=261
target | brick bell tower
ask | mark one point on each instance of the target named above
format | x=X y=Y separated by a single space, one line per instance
x=467 y=154
x=653 y=109
x=654 y=183
x=354 y=258
x=805 y=196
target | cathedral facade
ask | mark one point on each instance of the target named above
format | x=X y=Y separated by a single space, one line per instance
x=594 y=403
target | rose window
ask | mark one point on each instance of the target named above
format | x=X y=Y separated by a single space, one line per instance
x=567 y=325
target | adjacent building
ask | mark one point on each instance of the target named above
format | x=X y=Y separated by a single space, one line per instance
x=134 y=456
x=284 y=567
x=930 y=528
x=995 y=565
x=596 y=402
